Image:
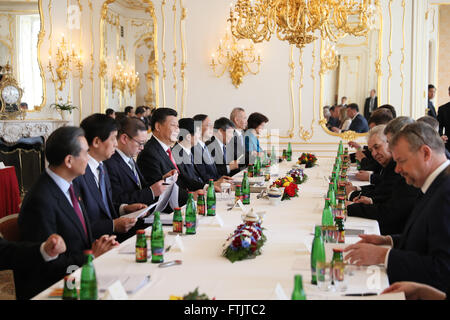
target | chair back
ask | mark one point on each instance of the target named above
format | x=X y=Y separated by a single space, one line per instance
x=9 y=228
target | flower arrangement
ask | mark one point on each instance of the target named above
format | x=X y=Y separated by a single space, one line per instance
x=194 y=295
x=308 y=159
x=289 y=185
x=298 y=175
x=245 y=242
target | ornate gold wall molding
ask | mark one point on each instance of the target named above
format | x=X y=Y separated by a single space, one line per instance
x=402 y=63
x=184 y=55
x=163 y=60
x=174 y=67
x=391 y=28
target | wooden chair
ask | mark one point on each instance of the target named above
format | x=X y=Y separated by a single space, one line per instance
x=9 y=229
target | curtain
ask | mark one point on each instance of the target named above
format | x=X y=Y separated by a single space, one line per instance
x=29 y=72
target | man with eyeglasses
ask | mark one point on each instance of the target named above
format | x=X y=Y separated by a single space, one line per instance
x=95 y=187
x=127 y=182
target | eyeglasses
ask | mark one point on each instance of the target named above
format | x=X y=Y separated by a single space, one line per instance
x=141 y=144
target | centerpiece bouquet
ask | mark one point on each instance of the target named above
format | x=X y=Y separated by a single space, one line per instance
x=298 y=175
x=307 y=159
x=194 y=295
x=246 y=241
x=289 y=185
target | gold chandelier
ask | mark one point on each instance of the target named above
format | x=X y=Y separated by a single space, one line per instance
x=300 y=21
x=125 y=78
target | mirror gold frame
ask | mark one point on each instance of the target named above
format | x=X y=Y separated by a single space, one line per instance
x=41 y=36
x=150 y=9
x=351 y=135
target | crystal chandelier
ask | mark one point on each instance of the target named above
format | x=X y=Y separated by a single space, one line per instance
x=300 y=21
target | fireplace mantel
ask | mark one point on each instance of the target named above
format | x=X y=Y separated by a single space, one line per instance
x=13 y=130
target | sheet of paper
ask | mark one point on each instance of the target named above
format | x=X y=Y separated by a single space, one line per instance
x=131 y=283
x=140 y=213
x=164 y=198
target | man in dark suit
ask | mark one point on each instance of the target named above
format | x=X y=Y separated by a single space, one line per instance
x=422 y=252
x=239 y=119
x=189 y=136
x=359 y=123
x=203 y=161
x=444 y=121
x=390 y=200
x=223 y=134
x=431 y=111
x=434 y=123
x=25 y=256
x=334 y=122
x=140 y=114
x=156 y=161
x=128 y=185
x=371 y=104
x=53 y=206
x=95 y=187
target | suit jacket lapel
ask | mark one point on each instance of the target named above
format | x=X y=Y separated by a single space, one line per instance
x=418 y=208
x=69 y=212
x=163 y=154
x=128 y=170
x=92 y=185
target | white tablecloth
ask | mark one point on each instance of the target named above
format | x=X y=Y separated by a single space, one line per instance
x=289 y=230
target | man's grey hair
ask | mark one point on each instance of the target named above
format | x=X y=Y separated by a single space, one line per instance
x=234 y=113
x=397 y=124
x=431 y=121
x=418 y=134
x=377 y=131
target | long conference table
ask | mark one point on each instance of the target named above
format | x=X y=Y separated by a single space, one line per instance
x=289 y=230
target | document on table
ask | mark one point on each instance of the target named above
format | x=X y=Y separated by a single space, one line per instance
x=139 y=213
x=131 y=283
x=170 y=196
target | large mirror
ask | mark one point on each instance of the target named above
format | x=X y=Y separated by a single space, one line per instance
x=129 y=54
x=350 y=74
x=22 y=84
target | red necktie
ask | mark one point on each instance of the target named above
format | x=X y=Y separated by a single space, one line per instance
x=76 y=207
x=169 y=152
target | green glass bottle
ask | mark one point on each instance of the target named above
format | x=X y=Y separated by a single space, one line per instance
x=191 y=215
x=358 y=165
x=238 y=193
x=332 y=195
x=157 y=239
x=298 y=293
x=338 y=266
x=327 y=214
x=273 y=157
x=201 y=203
x=250 y=171
x=257 y=168
x=289 y=152
x=211 y=199
x=141 y=246
x=317 y=252
x=284 y=154
x=177 y=222
x=245 y=189
x=70 y=289
x=341 y=148
x=88 y=285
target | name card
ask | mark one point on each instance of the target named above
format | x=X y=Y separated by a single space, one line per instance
x=178 y=244
x=279 y=292
x=2 y=165
x=116 y=291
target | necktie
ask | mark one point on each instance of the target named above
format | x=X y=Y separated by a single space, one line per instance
x=133 y=168
x=224 y=149
x=76 y=207
x=169 y=152
x=208 y=156
x=102 y=186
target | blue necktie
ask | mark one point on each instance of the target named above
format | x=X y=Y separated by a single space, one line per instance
x=224 y=154
x=102 y=186
x=133 y=168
